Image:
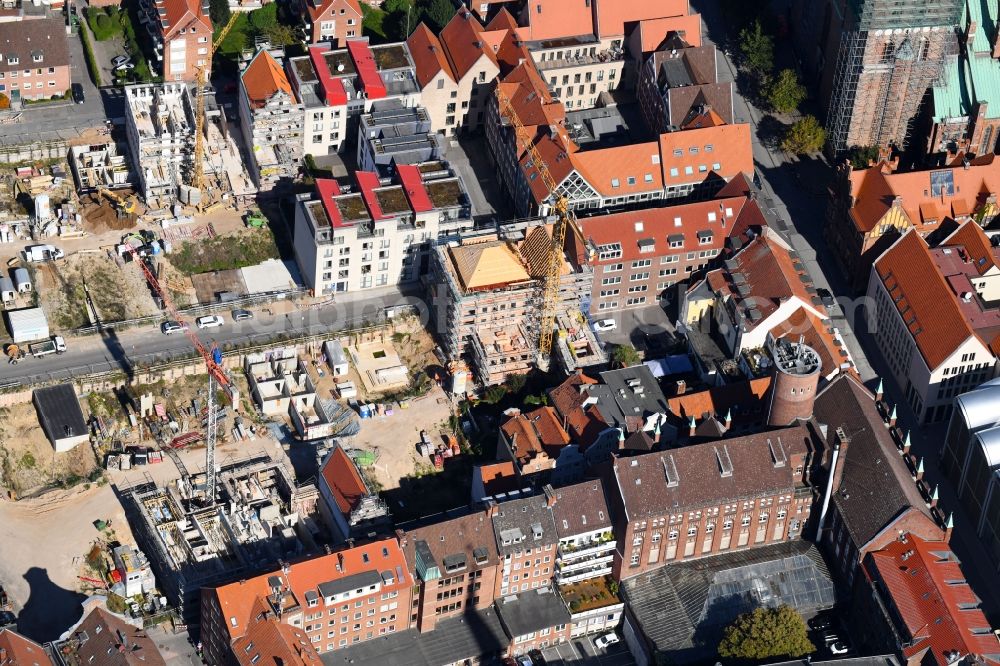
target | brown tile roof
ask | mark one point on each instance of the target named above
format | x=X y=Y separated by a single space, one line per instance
x=342 y=477
x=923 y=299
x=25 y=39
x=580 y=508
x=706 y=105
x=738 y=398
x=117 y=643
x=319 y=8
x=237 y=600
x=264 y=77
x=180 y=14
x=462 y=535
x=568 y=399
x=876 y=487
x=649 y=486
x=22 y=651
x=940 y=612
x=535 y=433
x=428 y=55
x=971 y=237
x=464 y=44
x=268 y=641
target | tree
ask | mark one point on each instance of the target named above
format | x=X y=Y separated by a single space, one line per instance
x=515 y=383
x=494 y=394
x=280 y=34
x=764 y=633
x=757 y=48
x=218 y=11
x=805 y=136
x=785 y=93
x=862 y=156
x=264 y=18
x=625 y=356
x=438 y=13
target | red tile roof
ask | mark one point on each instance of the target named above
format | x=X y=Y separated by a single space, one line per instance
x=464 y=43
x=342 y=478
x=269 y=641
x=718 y=401
x=939 y=611
x=552 y=19
x=237 y=600
x=653 y=32
x=534 y=434
x=180 y=14
x=613 y=15
x=264 y=77
x=22 y=651
x=923 y=299
x=428 y=55
x=971 y=237
x=321 y=8
x=513 y=47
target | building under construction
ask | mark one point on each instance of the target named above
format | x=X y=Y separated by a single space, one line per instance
x=886 y=55
x=488 y=296
x=260 y=517
x=99 y=166
x=160 y=125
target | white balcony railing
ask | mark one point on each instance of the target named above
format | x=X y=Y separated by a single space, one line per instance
x=570 y=552
x=586 y=574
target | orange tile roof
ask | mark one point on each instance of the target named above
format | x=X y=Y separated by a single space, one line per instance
x=940 y=612
x=499 y=478
x=513 y=47
x=464 y=43
x=719 y=400
x=535 y=433
x=874 y=190
x=923 y=298
x=22 y=651
x=635 y=167
x=268 y=641
x=553 y=19
x=729 y=146
x=343 y=480
x=428 y=55
x=180 y=13
x=320 y=8
x=264 y=77
x=237 y=600
x=814 y=333
x=653 y=32
x=971 y=236
x=613 y=15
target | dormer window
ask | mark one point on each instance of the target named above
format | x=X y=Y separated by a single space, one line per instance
x=37 y=57
x=12 y=60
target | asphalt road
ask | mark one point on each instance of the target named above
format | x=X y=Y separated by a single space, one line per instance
x=147 y=345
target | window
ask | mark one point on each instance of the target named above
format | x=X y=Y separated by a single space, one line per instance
x=440 y=84
x=612 y=280
x=609 y=251
x=674 y=172
x=615 y=182
x=36 y=58
x=638 y=277
x=641 y=263
x=613 y=268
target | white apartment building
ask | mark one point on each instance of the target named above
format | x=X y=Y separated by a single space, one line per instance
x=936 y=340
x=382 y=232
x=579 y=69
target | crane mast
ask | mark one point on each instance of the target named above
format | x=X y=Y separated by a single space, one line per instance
x=564 y=219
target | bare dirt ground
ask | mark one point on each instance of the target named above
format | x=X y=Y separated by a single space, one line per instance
x=117 y=293
x=28 y=460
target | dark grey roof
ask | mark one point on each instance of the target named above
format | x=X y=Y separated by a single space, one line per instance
x=524 y=523
x=531 y=611
x=21 y=39
x=474 y=634
x=347 y=583
x=876 y=487
x=682 y=608
x=636 y=391
x=580 y=508
x=59 y=411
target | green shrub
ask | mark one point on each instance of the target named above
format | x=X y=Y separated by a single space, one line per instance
x=105 y=23
x=88 y=52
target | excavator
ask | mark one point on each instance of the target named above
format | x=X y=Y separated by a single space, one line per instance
x=126 y=206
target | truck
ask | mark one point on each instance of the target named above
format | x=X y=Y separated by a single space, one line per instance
x=54 y=345
x=36 y=253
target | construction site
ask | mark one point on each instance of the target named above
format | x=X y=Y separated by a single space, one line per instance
x=259 y=517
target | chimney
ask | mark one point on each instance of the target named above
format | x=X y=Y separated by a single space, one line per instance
x=880 y=391
x=692 y=428
x=681 y=387
x=550 y=495
x=949 y=526
x=970 y=32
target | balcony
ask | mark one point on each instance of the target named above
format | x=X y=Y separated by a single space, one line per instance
x=582 y=597
x=581 y=60
x=571 y=551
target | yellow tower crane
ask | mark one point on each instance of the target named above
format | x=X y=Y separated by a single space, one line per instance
x=565 y=219
x=198 y=168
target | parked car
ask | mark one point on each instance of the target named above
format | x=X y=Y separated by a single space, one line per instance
x=606 y=640
x=839 y=648
x=242 y=315
x=118 y=61
x=77 y=93
x=820 y=623
x=171 y=326
x=605 y=325
x=210 y=321
x=537 y=658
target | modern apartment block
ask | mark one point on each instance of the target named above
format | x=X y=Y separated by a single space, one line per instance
x=875 y=59
x=455 y=563
x=272 y=121
x=382 y=232
x=933 y=315
x=705 y=499
x=181 y=32
x=486 y=290
x=391 y=134
x=333 y=21
x=35 y=59
x=336 y=85
x=870 y=207
x=357 y=594
x=970 y=459
x=695 y=163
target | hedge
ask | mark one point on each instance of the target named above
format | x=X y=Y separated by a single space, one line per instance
x=88 y=51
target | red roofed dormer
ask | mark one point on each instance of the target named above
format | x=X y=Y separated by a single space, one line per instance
x=413 y=184
x=333 y=88
x=364 y=62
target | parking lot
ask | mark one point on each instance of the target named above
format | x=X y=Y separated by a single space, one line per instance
x=647 y=329
x=583 y=651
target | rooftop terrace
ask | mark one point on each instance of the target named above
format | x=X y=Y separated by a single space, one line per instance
x=444 y=193
x=340 y=63
x=392 y=200
x=390 y=56
x=352 y=207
